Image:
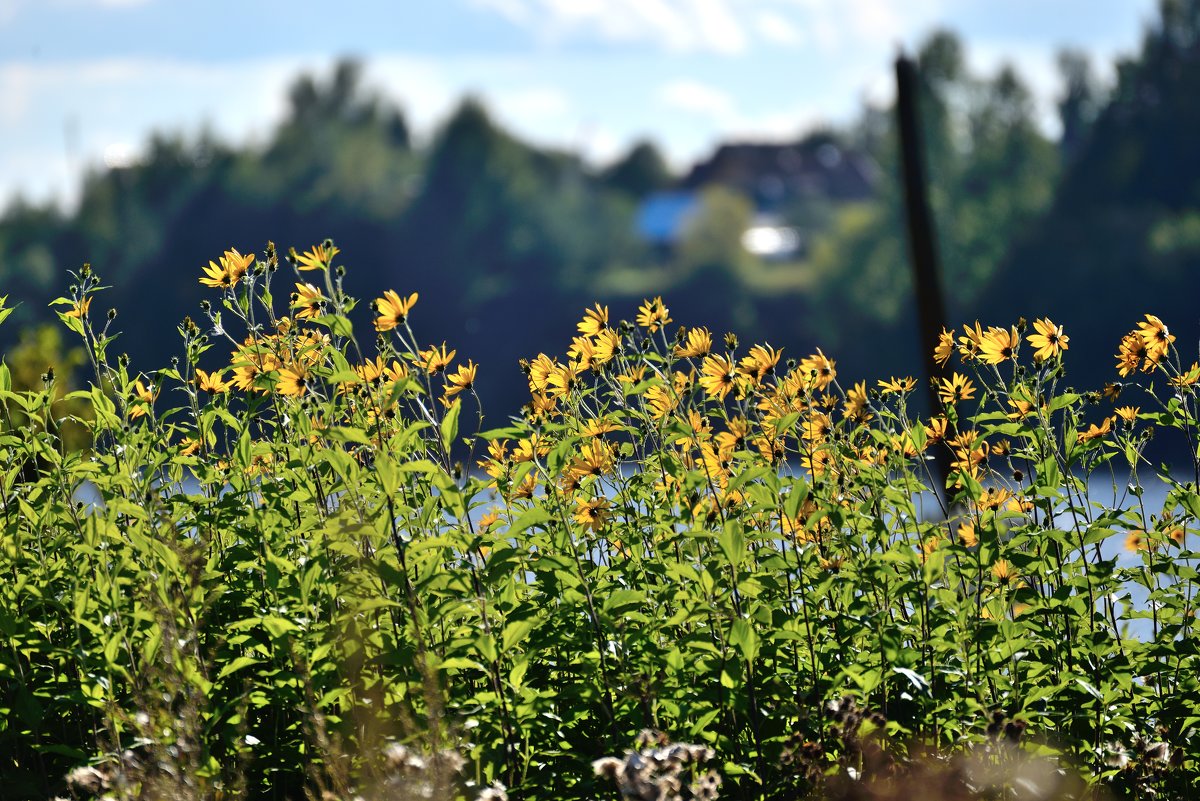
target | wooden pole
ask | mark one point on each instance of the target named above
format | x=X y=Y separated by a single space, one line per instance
x=931 y=308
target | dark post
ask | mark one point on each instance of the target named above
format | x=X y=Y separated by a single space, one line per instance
x=931 y=309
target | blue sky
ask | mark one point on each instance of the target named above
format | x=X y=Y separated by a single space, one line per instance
x=84 y=82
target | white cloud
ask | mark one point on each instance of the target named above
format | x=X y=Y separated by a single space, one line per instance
x=674 y=25
x=697 y=98
x=773 y=27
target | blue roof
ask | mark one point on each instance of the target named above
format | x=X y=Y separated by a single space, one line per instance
x=662 y=216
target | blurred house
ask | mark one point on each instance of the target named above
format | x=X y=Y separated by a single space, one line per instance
x=781 y=181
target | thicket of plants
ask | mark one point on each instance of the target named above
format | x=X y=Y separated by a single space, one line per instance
x=294 y=558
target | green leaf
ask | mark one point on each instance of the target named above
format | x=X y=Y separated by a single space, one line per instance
x=743 y=636
x=449 y=426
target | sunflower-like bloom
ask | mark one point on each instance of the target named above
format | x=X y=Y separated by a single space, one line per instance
x=937 y=429
x=539 y=373
x=392 y=310
x=1004 y=571
x=1130 y=354
x=231 y=270
x=759 y=363
x=733 y=439
x=1158 y=339
x=970 y=342
x=370 y=372
x=598 y=427
x=1096 y=431
x=461 y=380
x=1128 y=413
x=816 y=428
x=595 y=458
x=293 y=380
x=248 y=364
x=1188 y=377
x=318 y=257
x=698 y=342
x=944 y=348
x=966 y=534
x=661 y=400
x=80 y=309
x=653 y=315
x=998 y=345
x=717 y=376
x=897 y=385
x=1136 y=540
x=605 y=346
x=212 y=383
x=820 y=370
x=1049 y=341
x=582 y=353
x=562 y=380
x=434 y=360
x=188 y=446
x=308 y=301
x=956 y=388
x=142 y=399
x=855 y=408
x=594 y=321
x=593 y=514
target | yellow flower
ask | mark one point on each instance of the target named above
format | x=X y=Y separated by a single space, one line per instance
x=1158 y=339
x=188 y=446
x=370 y=372
x=80 y=309
x=592 y=514
x=717 y=376
x=1130 y=353
x=816 y=428
x=1128 y=413
x=1136 y=541
x=434 y=360
x=1049 y=341
x=1096 y=431
x=759 y=363
x=582 y=353
x=856 y=403
x=598 y=427
x=898 y=385
x=393 y=310
x=936 y=430
x=595 y=458
x=293 y=380
x=967 y=535
x=1188 y=377
x=539 y=373
x=318 y=257
x=141 y=400
x=308 y=301
x=231 y=270
x=212 y=383
x=956 y=388
x=944 y=348
x=605 y=346
x=998 y=345
x=1004 y=571
x=971 y=341
x=462 y=379
x=697 y=343
x=661 y=401
x=594 y=321
x=819 y=369
x=653 y=315
x=562 y=380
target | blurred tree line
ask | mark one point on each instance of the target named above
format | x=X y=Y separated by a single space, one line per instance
x=507 y=242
